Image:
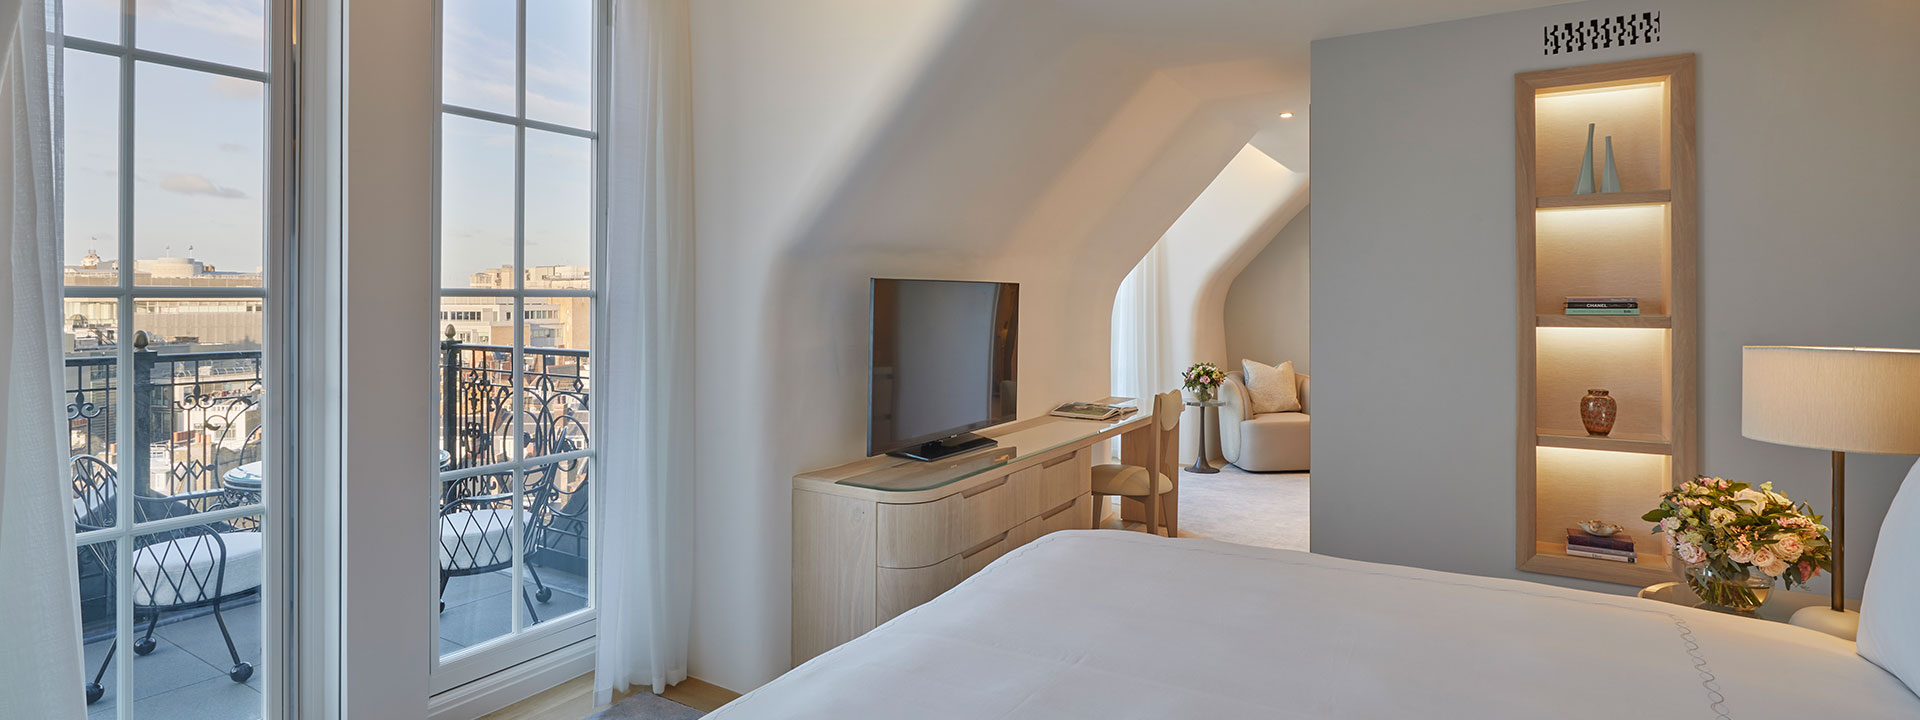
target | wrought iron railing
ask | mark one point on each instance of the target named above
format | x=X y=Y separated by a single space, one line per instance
x=196 y=417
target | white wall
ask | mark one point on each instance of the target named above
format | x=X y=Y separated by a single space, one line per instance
x=1266 y=315
x=1808 y=173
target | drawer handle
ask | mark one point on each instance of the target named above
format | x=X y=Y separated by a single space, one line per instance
x=982 y=547
x=1067 y=459
x=1056 y=511
x=984 y=488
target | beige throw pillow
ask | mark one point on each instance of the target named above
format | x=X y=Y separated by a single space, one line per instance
x=1273 y=388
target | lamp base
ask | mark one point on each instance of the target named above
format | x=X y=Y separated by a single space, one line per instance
x=1844 y=624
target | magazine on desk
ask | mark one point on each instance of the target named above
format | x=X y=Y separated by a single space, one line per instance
x=1091 y=411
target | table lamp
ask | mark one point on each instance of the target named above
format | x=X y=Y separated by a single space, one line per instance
x=1837 y=399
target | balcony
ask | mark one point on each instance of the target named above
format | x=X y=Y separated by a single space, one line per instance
x=196 y=436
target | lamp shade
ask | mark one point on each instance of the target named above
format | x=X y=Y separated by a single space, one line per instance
x=1863 y=400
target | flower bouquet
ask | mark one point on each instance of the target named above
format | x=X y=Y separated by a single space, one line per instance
x=1736 y=540
x=1203 y=380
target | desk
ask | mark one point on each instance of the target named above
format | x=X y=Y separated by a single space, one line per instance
x=875 y=538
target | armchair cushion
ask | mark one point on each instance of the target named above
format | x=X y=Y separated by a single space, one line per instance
x=1272 y=388
x=478 y=538
x=181 y=571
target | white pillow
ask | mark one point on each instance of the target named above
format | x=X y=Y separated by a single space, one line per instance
x=1272 y=388
x=1890 y=611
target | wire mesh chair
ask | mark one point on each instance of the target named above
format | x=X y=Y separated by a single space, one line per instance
x=477 y=528
x=190 y=567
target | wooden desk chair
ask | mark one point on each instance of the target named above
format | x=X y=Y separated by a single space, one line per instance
x=1153 y=477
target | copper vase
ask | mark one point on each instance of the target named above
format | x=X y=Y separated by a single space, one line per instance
x=1597 y=411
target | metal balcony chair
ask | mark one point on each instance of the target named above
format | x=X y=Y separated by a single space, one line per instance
x=190 y=567
x=476 y=528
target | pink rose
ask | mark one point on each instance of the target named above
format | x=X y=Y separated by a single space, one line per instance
x=1691 y=554
x=1788 y=548
x=1764 y=557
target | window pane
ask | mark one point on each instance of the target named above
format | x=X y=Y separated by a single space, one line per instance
x=197 y=391
x=555 y=411
x=91 y=105
x=91 y=19
x=188 y=669
x=92 y=392
x=477 y=55
x=477 y=547
x=560 y=62
x=559 y=210
x=476 y=381
x=199 y=154
x=97 y=626
x=229 y=32
x=476 y=202
x=557 y=500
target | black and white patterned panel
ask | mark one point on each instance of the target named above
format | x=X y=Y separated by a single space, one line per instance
x=1606 y=32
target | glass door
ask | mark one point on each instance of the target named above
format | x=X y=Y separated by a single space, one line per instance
x=519 y=228
x=174 y=138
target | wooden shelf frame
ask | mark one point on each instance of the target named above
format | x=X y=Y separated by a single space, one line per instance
x=1534 y=553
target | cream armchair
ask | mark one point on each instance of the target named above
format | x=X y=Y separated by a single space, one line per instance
x=1268 y=442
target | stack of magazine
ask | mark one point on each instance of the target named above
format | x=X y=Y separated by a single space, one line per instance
x=1091 y=411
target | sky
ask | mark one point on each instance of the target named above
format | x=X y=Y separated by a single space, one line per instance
x=200 y=139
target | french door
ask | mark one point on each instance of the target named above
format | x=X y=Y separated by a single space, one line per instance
x=519 y=228
x=175 y=136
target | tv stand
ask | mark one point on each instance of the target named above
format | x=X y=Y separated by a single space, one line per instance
x=952 y=445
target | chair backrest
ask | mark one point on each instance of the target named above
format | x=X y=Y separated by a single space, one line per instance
x=93 y=489
x=1167 y=408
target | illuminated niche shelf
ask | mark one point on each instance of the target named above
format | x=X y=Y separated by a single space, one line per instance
x=1638 y=243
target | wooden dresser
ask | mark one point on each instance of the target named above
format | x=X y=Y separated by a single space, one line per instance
x=874 y=538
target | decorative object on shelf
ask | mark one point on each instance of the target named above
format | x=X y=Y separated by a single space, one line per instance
x=1842 y=400
x=1584 y=185
x=1736 y=539
x=1609 y=177
x=1601 y=528
x=1597 y=411
x=1203 y=380
x=1603 y=306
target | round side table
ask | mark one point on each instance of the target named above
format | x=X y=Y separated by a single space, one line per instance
x=1200 y=465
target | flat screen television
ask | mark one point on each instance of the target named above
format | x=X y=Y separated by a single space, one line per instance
x=942 y=365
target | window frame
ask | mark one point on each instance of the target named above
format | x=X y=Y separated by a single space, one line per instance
x=521 y=644
x=278 y=660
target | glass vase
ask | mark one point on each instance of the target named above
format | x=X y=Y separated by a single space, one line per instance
x=1743 y=590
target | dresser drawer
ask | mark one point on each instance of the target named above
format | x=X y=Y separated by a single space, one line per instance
x=985 y=512
x=983 y=555
x=1044 y=487
x=903 y=589
x=1075 y=514
x=920 y=534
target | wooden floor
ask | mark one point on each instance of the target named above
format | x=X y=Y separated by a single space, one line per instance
x=573 y=700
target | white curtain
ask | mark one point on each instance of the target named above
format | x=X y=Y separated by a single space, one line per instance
x=646 y=356
x=40 y=673
x=1140 y=356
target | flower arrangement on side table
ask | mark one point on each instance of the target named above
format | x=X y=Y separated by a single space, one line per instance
x=1736 y=540
x=1203 y=380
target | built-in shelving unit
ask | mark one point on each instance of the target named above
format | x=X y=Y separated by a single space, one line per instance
x=1640 y=242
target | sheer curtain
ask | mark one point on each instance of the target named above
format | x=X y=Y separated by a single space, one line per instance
x=40 y=675
x=1139 y=347
x=646 y=577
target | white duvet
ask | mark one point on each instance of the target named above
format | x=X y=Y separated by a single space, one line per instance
x=1109 y=624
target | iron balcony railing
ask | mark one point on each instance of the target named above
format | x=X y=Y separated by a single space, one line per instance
x=197 y=417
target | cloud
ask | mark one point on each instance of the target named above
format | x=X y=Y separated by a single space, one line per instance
x=237 y=88
x=232 y=147
x=199 y=185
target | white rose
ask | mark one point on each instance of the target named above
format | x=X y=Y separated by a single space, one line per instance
x=1789 y=548
x=1774 y=568
x=1720 y=516
x=1691 y=554
x=1750 y=497
x=1670 y=523
x=1764 y=557
x=1740 y=552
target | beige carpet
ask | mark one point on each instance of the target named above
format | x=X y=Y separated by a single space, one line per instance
x=1236 y=506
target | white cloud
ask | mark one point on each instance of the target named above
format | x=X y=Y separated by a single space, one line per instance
x=199 y=185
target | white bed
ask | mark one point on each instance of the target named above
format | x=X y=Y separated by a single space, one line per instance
x=1109 y=624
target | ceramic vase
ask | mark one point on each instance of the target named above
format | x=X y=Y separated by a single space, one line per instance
x=1609 y=178
x=1597 y=411
x=1585 y=184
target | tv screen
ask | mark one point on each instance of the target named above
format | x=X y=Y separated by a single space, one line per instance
x=942 y=364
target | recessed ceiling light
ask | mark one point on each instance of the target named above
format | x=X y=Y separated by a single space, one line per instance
x=1286 y=116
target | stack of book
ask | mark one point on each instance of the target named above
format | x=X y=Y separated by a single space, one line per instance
x=1617 y=547
x=1603 y=306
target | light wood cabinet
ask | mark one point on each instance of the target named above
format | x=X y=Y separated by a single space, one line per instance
x=862 y=556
